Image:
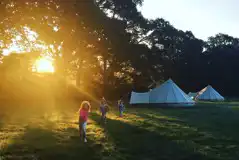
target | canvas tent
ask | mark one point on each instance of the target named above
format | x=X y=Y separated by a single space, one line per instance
x=192 y=95
x=209 y=94
x=139 y=98
x=169 y=93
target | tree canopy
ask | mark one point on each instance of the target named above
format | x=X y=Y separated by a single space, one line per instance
x=109 y=48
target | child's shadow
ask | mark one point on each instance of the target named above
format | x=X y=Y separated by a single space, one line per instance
x=138 y=142
x=98 y=119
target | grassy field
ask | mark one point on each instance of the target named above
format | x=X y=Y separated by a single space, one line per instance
x=208 y=131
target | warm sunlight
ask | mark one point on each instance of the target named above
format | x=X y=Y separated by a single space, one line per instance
x=44 y=65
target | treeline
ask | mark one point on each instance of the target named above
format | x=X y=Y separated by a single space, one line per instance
x=111 y=49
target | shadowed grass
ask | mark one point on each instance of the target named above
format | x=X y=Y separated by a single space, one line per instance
x=211 y=131
x=199 y=133
x=135 y=141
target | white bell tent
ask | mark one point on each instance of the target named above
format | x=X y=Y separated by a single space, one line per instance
x=169 y=93
x=139 y=98
x=209 y=94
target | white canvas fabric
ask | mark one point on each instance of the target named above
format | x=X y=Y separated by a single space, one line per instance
x=139 y=98
x=169 y=93
x=209 y=94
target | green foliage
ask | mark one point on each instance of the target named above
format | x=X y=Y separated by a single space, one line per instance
x=110 y=48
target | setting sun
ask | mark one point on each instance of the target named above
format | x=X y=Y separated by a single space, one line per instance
x=44 y=65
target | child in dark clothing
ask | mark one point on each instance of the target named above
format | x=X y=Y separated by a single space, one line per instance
x=103 y=109
x=121 y=107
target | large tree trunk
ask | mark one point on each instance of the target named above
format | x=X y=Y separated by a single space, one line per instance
x=104 y=76
x=79 y=74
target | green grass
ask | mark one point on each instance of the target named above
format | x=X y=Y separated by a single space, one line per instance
x=208 y=131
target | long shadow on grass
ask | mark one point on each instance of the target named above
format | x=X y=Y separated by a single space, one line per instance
x=43 y=143
x=218 y=120
x=136 y=143
x=214 y=130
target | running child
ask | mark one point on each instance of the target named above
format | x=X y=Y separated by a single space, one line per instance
x=103 y=109
x=83 y=117
x=121 y=107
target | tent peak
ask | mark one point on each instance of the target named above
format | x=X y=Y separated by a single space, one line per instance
x=170 y=80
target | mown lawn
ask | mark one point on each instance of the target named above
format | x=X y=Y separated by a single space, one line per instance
x=199 y=133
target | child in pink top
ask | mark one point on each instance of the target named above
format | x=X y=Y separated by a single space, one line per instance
x=83 y=117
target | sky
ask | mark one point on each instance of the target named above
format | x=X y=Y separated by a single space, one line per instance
x=204 y=18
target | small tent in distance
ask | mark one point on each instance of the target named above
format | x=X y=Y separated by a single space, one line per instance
x=209 y=94
x=139 y=98
x=169 y=93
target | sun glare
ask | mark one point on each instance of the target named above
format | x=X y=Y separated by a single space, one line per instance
x=44 y=65
x=17 y=45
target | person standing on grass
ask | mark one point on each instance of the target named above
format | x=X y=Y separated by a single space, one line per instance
x=83 y=117
x=103 y=109
x=121 y=107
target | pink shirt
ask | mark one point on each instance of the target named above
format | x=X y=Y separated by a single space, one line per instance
x=83 y=115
